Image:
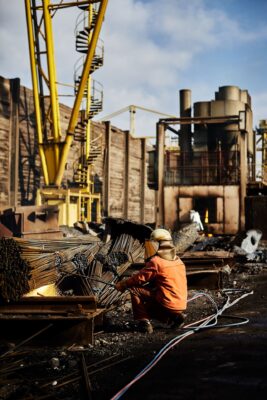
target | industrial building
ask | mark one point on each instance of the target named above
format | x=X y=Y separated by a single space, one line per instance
x=103 y=269
x=118 y=162
x=211 y=165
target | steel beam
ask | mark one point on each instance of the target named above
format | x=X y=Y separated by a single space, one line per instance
x=201 y=120
x=14 y=137
x=243 y=178
x=107 y=168
x=37 y=108
x=143 y=181
x=52 y=79
x=126 y=174
x=160 y=220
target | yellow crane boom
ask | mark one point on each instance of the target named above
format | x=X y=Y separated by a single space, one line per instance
x=54 y=145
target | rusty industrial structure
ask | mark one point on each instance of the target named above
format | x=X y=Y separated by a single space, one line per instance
x=119 y=171
x=212 y=164
x=80 y=204
x=211 y=167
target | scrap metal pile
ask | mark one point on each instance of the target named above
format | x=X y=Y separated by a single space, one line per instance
x=91 y=265
x=84 y=265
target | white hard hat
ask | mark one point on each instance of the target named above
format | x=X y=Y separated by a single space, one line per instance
x=160 y=234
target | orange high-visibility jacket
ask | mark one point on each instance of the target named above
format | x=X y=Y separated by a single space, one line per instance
x=169 y=279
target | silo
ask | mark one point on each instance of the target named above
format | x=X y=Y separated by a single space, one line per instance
x=201 y=109
x=228 y=102
x=228 y=93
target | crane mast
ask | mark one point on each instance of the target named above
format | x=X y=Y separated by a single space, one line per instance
x=75 y=201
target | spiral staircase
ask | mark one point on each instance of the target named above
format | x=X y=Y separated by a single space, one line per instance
x=93 y=97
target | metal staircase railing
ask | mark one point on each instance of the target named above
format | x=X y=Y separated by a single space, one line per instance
x=84 y=7
x=82 y=32
x=83 y=166
x=92 y=97
x=96 y=94
x=98 y=59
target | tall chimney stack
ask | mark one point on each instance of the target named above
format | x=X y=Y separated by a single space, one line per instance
x=185 y=130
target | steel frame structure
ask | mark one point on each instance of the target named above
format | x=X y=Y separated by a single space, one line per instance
x=53 y=146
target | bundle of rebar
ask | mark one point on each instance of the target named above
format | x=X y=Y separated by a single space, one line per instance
x=78 y=266
x=99 y=277
x=59 y=244
x=134 y=250
x=14 y=271
x=31 y=264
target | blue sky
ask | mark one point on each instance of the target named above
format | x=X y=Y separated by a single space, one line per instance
x=154 y=48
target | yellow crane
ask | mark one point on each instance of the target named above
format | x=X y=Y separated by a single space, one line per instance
x=75 y=203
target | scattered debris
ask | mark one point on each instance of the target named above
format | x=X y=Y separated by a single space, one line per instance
x=248 y=241
x=89 y=266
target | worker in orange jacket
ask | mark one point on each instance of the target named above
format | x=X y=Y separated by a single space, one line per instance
x=159 y=290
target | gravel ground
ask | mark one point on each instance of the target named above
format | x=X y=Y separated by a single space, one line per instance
x=215 y=364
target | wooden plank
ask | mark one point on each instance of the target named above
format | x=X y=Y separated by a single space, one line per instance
x=46 y=309
x=206 y=254
x=51 y=305
x=48 y=317
x=58 y=299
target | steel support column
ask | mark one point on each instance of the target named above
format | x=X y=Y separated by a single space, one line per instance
x=107 y=168
x=243 y=177
x=143 y=181
x=126 y=174
x=14 y=138
x=160 y=149
x=52 y=78
x=37 y=108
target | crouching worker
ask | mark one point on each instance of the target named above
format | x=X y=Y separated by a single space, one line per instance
x=159 y=290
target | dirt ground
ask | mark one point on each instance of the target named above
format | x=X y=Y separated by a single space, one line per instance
x=218 y=363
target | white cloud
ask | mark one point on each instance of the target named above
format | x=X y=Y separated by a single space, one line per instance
x=148 y=47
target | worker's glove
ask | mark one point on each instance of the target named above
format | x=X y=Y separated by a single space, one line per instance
x=121 y=286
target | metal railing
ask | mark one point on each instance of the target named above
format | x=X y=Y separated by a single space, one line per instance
x=199 y=168
x=210 y=175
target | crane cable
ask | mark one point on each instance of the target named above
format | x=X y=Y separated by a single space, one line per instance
x=207 y=322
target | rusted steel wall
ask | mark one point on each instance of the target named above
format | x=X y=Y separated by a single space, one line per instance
x=178 y=201
x=29 y=167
